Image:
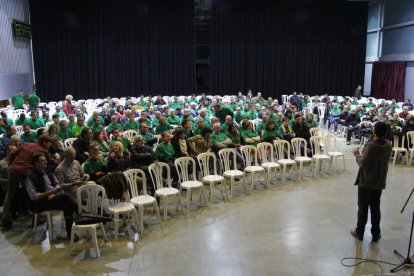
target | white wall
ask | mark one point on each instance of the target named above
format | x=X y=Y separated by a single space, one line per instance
x=15 y=54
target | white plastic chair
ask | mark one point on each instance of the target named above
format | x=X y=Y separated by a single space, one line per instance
x=231 y=172
x=317 y=154
x=299 y=144
x=329 y=148
x=283 y=155
x=130 y=133
x=250 y=163
x=398 y=146
x=410 y=141
x=49 y=221
x=140 y=201
x=267 y=160
x=96 y=202
x=316 y=131
x=118 y=208
x=19 y=130
x=156 y=172
x=209 y=174
x=69 y=142
x=183 y=165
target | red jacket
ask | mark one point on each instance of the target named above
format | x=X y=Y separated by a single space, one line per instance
x=68 y=108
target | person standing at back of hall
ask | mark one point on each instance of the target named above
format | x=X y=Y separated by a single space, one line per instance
x=371 y=180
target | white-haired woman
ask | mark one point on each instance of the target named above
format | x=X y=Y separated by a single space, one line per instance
x=67 y=105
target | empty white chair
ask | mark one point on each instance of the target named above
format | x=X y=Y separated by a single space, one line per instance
x=300 y=145
x=210 y=176
x=398 y=146
x=317 y=153
x=250 y=163
x=283 y=157
x=330 y=150
x=267 y=160
x=410 y=141
x=316 y=131
x=140 y=201
x=156 y=172
x=130 y=133
x=117 y=208
x=68 y=142
x=185 y=166
x=96 y=202
x=228 y=158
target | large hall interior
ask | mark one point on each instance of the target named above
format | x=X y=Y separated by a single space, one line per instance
x=206 y=137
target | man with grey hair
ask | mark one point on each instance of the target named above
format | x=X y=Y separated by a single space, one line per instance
x=219 y=140
x=142 y=155
x=70 y=173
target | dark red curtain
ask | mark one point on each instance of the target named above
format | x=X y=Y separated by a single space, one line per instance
x=388 y=80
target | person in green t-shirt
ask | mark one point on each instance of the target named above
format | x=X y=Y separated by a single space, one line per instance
x=262 y=124
x=28 y=135
x=199 y=126
x=219 y=140
x=21 y=120
x=250 y=136
x=162 y=125
x=34 y=121
x=116 y=136
x=17 y=100
x=95 y=165
x=64 y=132
x=238 y=116
x=165 y=151
x=270 y=132
x=173 y=119
x=131 y=123
x=7 y=120
x=222 y=112
x=33 y=101
x=234 y=134
x=71 y=122
x=80 y=124
x=113 y=125
x=148 y=137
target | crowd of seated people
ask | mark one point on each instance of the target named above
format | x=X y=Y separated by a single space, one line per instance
x=165 y=130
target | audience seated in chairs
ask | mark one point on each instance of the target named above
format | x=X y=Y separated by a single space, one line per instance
x=352 y=122
x=180 y=144
x=142 y=155
x=219 y=140
x=95 y=165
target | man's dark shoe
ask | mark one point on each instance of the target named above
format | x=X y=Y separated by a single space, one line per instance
x=356 y=235
x=376 y=238
x=6 y=224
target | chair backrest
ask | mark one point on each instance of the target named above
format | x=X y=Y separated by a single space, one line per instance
x=249 y=155
x=265 y=150
x=225 y=157
x=184 y=165
x=398 y=140
x=96 y=198
x=315 y=131
x=130 y=133
x=132 y=175
x=19 y=129
x=316 y=142
x=410 y=139
x=156 y=172
x=204 y=161
x=68 y=142
x=329 y=142
x=297 y=145
x=282 y=149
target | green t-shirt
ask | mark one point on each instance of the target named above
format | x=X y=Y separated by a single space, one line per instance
x=31 y=138
x=35 y=124
x=260 y=126
x=250 y=134
x=235 y=138
x=92 y=166
x=218 y=138
x=223 y=113
x=131 y=125
x=174 y=120
x=269 y=136
x=34 y=100
x=252 y=115
x=164 y=151
x=238 y=117
x=18 y=122
x=97 y=128
x=64 y=134
x=113 y=126
x=90 y=120
x=147 y=136
x=124 y=141
x=161 y=128
x=18 y=101
x=76 y=130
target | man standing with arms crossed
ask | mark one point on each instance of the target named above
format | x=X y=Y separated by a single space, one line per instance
x=371 y=180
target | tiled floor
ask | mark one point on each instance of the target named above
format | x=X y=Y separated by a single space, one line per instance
x=294 y=228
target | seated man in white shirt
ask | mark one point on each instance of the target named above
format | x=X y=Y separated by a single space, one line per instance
x=70 y=173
